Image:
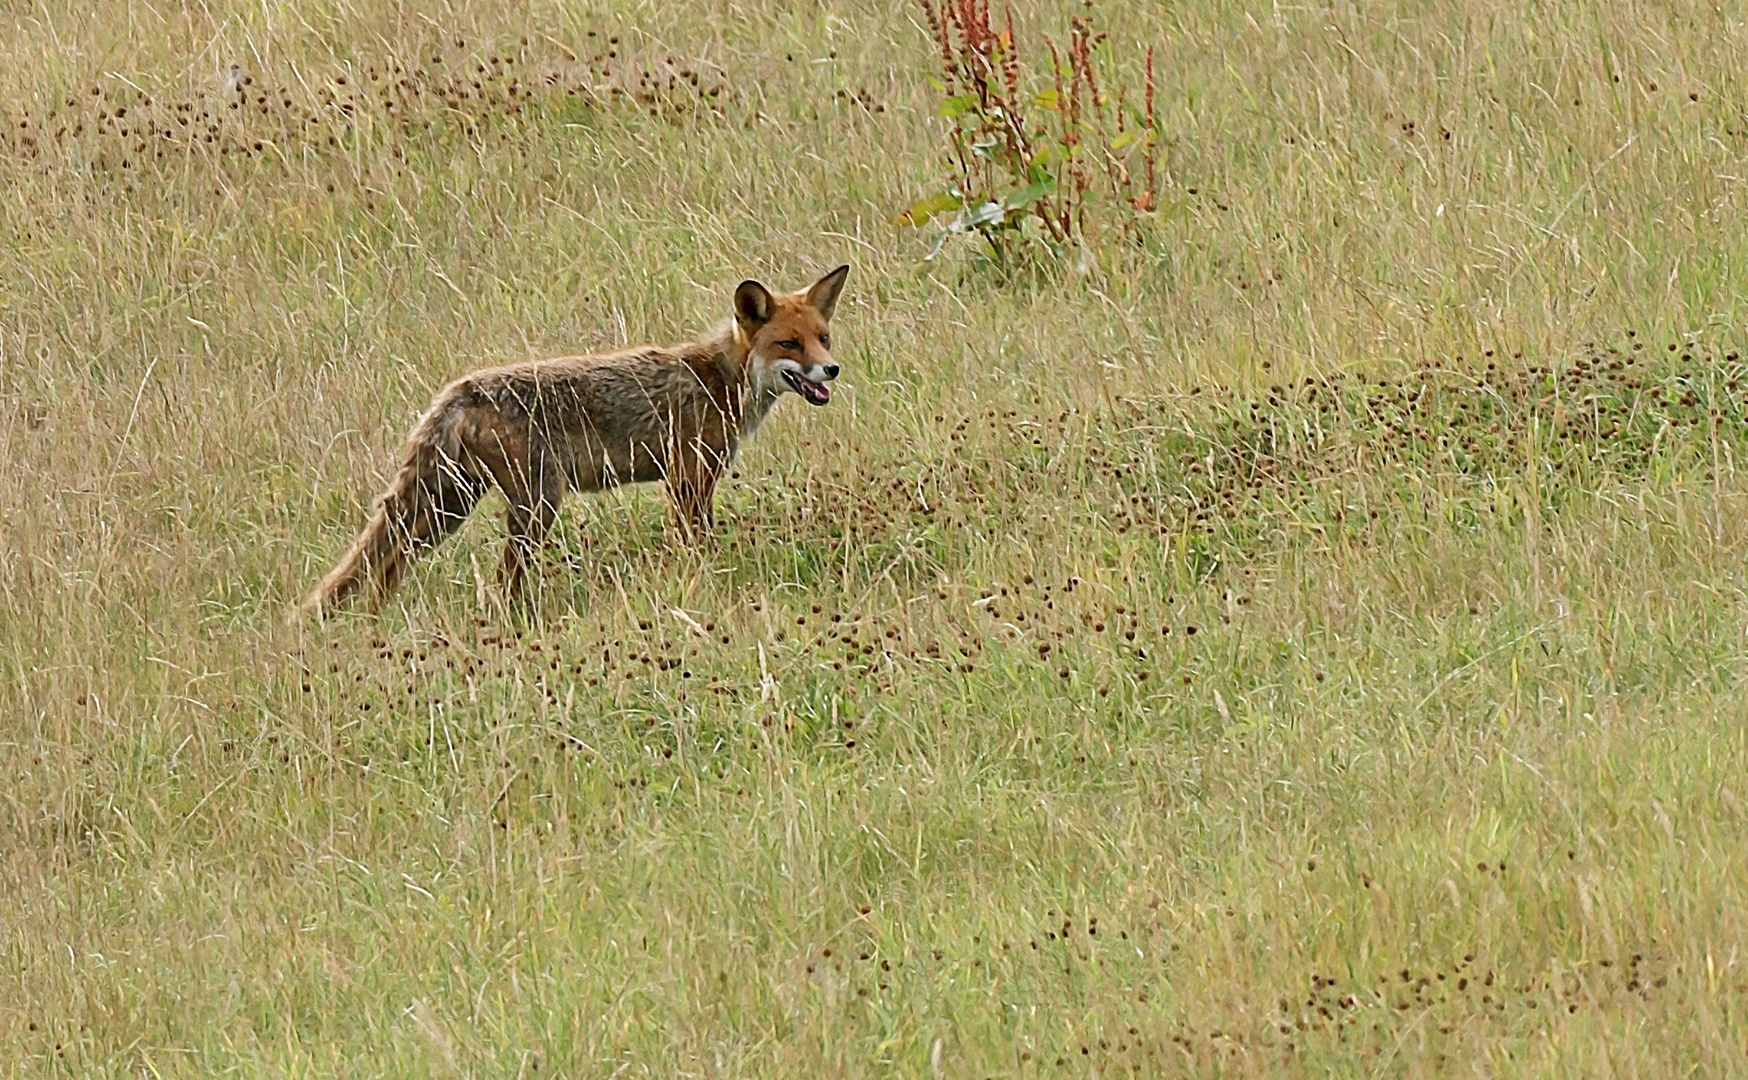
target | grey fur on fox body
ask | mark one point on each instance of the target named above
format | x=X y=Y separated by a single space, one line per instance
x=540 y=428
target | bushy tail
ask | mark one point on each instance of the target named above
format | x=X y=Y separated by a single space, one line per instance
x=437 y=486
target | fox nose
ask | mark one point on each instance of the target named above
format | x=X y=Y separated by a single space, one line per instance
x=831 y=371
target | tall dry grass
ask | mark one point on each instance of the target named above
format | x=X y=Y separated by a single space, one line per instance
x=1446 y=777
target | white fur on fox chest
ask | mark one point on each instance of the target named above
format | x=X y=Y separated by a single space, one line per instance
x=759 y=403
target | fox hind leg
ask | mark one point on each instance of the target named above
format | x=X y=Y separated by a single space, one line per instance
x=532 y=483
x=533 y=506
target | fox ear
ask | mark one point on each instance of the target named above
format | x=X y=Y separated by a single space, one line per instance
x=753 y=305
x=823 y=295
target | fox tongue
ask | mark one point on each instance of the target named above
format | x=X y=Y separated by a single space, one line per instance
x=815 y=393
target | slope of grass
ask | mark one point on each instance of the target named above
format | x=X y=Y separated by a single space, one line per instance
x=1310 y=642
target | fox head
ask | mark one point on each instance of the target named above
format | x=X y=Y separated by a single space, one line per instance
x=788 y=337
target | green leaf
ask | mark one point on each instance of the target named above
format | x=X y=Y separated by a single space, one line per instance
x=924 y=209
x=987 y=214
x=958 y=104
x=1031 y=193
x=1046 y=99
x=1124 y=139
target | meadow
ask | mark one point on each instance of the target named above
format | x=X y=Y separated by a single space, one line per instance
x=1304 y=636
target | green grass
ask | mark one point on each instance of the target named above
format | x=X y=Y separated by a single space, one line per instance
x=1310 y=642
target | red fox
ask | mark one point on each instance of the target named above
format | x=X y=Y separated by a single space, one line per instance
x=540 y=428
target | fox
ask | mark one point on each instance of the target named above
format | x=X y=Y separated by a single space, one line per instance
x=539 y=429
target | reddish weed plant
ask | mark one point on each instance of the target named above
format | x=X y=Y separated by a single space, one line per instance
x=1063 y=147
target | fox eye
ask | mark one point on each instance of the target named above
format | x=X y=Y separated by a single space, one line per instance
x=825 y=341
x=796 y=345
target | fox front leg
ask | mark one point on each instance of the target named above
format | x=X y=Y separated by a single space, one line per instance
x=693 y=488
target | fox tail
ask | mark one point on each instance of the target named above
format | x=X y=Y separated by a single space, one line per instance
x=437 y=486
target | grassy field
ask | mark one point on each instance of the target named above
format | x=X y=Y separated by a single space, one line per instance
x=1309 y=642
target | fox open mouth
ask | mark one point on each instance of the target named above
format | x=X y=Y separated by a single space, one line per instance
x=815 y=393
